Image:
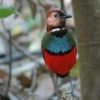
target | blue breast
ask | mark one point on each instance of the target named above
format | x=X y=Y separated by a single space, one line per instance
x=60 y=44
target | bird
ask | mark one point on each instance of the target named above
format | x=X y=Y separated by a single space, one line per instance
x=58 y=45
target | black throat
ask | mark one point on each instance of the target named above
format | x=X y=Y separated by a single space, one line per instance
x=59 y=32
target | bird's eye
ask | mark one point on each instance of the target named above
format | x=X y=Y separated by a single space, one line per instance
x=55 y=15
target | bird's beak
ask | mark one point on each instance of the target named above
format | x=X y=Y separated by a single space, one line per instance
x=66 y=16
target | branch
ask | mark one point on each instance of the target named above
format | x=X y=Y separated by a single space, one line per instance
x=33 y=7
x=10 y=50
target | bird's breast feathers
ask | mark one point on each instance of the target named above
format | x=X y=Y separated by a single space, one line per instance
x=57 y=45
x=59 y=53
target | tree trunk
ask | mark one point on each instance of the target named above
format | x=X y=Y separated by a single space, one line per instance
x=87 y=20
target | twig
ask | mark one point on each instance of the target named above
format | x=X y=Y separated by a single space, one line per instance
x=45 y=6
x=18 y=5
x=62 y=4
x=10 y=51
x=10 y=56
x=21 y=49
x=1 y=85
x=33 y=7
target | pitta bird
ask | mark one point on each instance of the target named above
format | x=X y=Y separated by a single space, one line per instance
x=58 y=45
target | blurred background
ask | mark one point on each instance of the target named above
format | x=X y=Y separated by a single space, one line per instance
x=20 y=52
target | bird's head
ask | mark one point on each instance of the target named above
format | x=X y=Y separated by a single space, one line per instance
x=56 y=19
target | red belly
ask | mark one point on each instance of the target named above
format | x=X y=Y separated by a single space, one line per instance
x=60 y=64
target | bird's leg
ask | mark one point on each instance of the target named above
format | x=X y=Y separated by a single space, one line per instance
x=72 y=94
x=71 y=84
x=57 y=87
